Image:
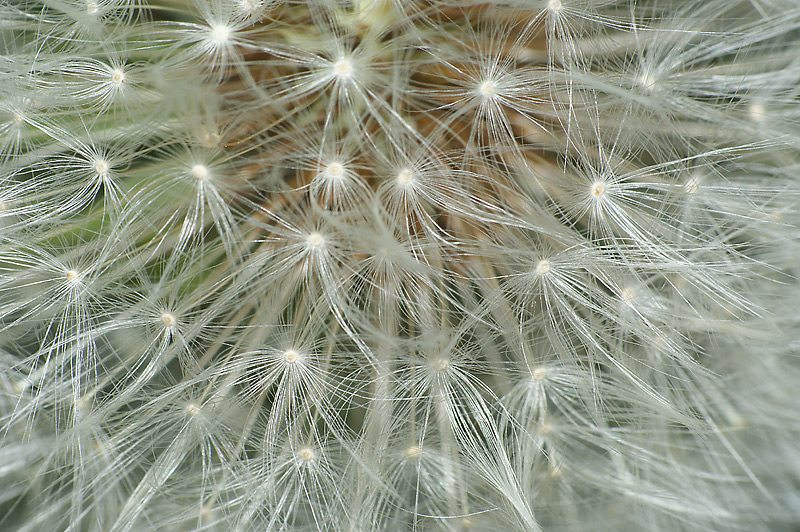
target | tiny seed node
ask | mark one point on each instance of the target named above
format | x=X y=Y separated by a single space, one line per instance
x=200 y=171
x=117 y=76
x=291 y=356
x=487 y=89
x=405 y=176
x=220 y=33
x=343 y=68
x=315 y=240
x=335 y=170
x=101 y=167
x=307 y=454
x=543 y=267
x=413 y=451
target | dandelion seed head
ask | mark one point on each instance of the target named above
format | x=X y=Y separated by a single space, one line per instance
x=487 y=89
x=83 y=404
x=315 y=240
x=598 y=190
x=117 y=76
x=471 y=235
x=306 y=455
x=251 y=6
x=757 y=111
x=335 y=170
x=405 y=177
x=168 y=319
x=738 y=421
x=291 y=356
x=628 y=295
x=343 y=68
x=21 y=386
x=200 y=172
x=208 y=515
x=647 y=82
x=542 y=267
x=539 y=374
x=101 y=167
x=692 y=185
x=219 y=33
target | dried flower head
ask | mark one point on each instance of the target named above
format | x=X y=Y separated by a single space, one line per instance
x=367 y=265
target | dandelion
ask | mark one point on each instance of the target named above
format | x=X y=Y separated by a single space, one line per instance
x=524 y=265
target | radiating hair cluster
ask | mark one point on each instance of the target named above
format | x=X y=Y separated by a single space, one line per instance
x=399 y=265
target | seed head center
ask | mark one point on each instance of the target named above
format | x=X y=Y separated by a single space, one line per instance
x=343 y=68
x=487 y=89
x=200 y=171
x=335 y=170
x=101 y=167
x=543 y=267
x=315 y=240
x=405 y=176
x=117 y=76
x=220 y=33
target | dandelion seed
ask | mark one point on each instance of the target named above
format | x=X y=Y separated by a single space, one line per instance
x=487 y=89
x=315 y=240
x=647 y=82
x=692 y=185
x=168 y=319
x=343 y=68
x=220 y=33
x=200 y=172
x=757 y=112
x=598 y=190
x=539 y=374
x=72 y=276
x=291 y=356
x=405 y=177
x=306 y=455
x=251 y=6
x=543 y=267
x=335 y=170
x=101 y=167
x=628 y=295
x=117 y=77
